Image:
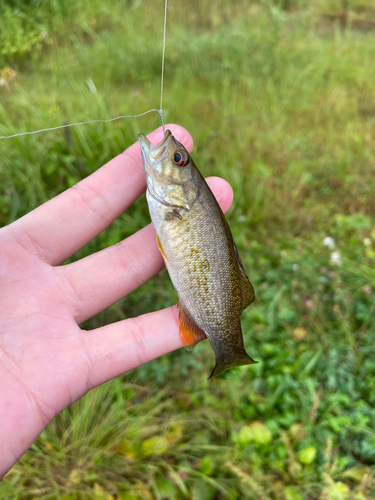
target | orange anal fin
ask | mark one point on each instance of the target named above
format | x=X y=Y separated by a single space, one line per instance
x=160 y=247
x=190 y=332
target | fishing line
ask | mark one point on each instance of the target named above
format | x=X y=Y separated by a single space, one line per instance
x=159 y=111
x=79 y=123
x=162 y=66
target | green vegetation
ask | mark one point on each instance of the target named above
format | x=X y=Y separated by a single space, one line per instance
x=280 y=99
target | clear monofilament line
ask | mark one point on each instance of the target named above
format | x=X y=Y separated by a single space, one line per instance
x=162 y=66
x=161 y=118
x=79 y=123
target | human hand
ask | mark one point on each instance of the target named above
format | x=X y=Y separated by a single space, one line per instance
x=47 y=361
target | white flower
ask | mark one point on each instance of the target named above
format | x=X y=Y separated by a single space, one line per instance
x=367 y=242
x=329 y=242
x=335 y=259
x=241 y=218
x=295 y=267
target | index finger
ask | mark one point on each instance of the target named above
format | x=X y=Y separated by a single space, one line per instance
x=59 y=228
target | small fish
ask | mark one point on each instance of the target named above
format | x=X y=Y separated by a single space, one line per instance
x=197 y=245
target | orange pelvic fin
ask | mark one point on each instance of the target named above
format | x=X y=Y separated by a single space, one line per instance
x=160 y=247
x=190 y=333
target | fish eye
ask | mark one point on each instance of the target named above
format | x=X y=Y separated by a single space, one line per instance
x=180 y=158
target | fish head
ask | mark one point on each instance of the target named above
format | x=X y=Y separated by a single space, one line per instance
x=172 y=178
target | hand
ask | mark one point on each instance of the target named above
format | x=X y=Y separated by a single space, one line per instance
x=47 y=361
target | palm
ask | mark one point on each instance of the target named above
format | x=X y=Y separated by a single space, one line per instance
x=46 y=361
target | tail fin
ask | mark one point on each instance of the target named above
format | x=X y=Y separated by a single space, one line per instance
x=221 y=367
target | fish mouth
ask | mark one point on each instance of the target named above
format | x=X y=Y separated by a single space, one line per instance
x=167 y=135
x=147 y=146
x=144 y=142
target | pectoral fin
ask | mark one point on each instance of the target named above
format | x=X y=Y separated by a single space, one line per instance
x=172 y=215
x=190 y=332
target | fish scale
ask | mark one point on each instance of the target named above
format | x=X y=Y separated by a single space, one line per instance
x=199 y=252
x=188 y=243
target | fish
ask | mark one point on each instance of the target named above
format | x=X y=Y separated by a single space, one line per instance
x=199 y=252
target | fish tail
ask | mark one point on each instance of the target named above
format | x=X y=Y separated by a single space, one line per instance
x=241 y=360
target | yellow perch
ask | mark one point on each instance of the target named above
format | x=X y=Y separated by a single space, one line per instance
x=199 y=252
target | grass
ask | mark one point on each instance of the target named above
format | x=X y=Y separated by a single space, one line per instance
x=280 y=100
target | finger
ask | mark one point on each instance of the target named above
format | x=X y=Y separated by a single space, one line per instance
x=63 y=225
x=97 y=281
x=120 y=347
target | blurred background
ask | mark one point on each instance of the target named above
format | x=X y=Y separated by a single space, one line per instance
x=279 y=96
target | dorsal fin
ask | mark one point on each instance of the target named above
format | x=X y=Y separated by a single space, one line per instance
x=247 y=290
x=248 y=294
